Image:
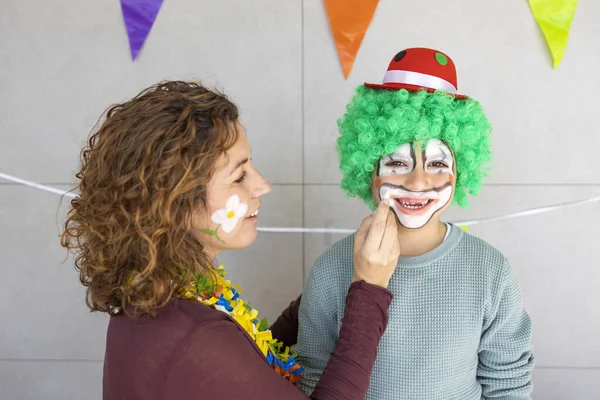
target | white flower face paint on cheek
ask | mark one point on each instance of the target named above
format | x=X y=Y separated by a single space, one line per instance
x=438 y=158
x=402 y=161
x=228 y=217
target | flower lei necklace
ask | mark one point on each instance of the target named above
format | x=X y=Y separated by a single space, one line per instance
x=218 y=293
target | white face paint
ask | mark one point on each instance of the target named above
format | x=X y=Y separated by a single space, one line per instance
x=438 y=158
x=415 y=209
x=227 y=218
x=402 y=161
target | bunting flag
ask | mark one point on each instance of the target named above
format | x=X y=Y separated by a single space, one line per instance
x=349 y=20
x=554 y=18
x=464 y=228
x=139 y=16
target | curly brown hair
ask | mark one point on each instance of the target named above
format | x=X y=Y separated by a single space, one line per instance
x=143 y=174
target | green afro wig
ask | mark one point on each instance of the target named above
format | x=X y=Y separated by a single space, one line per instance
x=378 y=121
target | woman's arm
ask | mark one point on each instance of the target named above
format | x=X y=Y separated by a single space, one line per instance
x=219 y=360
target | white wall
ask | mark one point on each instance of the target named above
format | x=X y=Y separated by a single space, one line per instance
x=63 y=62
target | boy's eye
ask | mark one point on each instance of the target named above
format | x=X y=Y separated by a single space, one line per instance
x=437 y=164
x=241 y=178
x=395 y=163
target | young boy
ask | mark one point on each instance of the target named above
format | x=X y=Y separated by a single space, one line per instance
x=457 y=328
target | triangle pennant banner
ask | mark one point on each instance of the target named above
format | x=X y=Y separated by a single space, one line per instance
x=349 y=20
x=554 y=18
x=139 y=16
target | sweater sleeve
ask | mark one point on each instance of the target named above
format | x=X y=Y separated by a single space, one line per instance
x=285 y=328
x=318 y=327
x=218 y=359
x=505 y=352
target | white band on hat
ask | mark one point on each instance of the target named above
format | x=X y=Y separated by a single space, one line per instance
x=419 y=79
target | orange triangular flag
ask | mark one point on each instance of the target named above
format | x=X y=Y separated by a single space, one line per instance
x=349 y=20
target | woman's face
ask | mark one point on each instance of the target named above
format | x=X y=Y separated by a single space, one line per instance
x=233 y=198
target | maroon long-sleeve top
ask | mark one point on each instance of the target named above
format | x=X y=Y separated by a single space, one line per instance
x=190 y=351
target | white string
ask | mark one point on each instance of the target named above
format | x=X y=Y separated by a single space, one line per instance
x=306 y=230
x=532 y=211
x=35 y=185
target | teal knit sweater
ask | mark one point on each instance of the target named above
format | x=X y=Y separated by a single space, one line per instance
x=457 y=328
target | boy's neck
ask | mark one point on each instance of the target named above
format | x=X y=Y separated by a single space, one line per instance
x=415 y=242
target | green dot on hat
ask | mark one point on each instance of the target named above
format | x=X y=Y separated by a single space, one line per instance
x=441 y=59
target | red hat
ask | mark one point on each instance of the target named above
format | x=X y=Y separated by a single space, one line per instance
x=421 y=69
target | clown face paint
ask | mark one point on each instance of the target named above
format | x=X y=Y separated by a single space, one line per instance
x=438 y=158
x=418 y=186
x=402 y=161
x=415 y=209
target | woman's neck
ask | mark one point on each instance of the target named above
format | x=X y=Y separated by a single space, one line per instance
x=414 y=242
x=211 y=253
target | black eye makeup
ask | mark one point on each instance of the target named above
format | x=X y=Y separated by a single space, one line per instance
x=438 y=158
x=402 y=161
x=396 y=163
x=437 y=164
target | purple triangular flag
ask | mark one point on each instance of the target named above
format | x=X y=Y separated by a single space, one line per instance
x=139 y=16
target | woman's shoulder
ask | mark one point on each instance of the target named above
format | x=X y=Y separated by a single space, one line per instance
x=196 y=312
x=174 y=327
x=206 y=324
x=140 y=350
x=178 y=350
x=178 y=319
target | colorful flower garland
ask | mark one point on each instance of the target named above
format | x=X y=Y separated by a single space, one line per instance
x=218 y=293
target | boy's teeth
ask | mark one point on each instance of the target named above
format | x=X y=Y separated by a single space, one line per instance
x=254 y=214
x=414 y=204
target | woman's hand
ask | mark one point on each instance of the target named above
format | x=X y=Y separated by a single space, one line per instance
x=376 y=247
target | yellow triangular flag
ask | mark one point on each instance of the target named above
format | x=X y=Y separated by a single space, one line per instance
x=463 y=227
x=554 y=18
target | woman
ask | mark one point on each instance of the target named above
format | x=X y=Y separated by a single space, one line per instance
x=166 y=183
